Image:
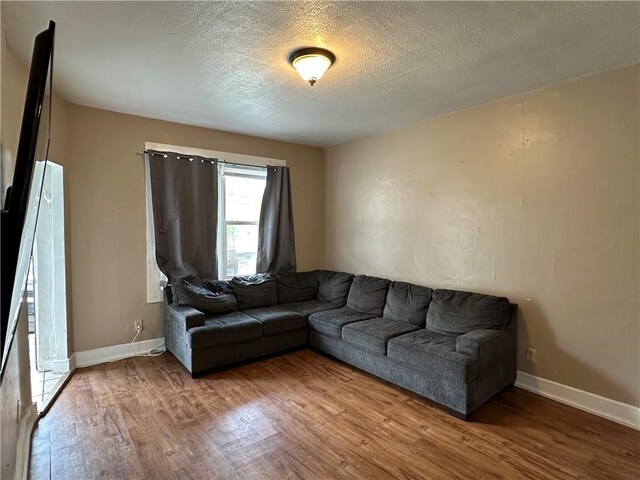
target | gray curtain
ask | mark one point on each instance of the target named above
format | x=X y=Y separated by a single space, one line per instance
x=276 y=242
x=184 y=192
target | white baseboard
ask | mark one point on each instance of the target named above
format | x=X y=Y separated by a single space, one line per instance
x=590 y=402
x=64 y=365
x=23 y=447
x=116 y=352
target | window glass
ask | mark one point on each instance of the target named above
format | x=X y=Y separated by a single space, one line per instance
x=243 y=190
x=242 y=247
x=243 y=198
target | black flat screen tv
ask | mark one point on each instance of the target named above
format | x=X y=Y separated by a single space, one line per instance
x=22 y=197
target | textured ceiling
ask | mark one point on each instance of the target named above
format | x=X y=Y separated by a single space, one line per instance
x=224 y=64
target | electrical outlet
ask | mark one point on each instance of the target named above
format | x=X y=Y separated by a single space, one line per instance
x=138 y=326
x=531 y=354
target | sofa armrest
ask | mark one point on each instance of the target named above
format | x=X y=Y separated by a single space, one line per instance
x=494 y=351
x=484 y=342
x=184 y=315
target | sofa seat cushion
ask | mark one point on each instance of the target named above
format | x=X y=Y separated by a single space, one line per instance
x=330 y=322
x=277 y=319
x=432 y=353
x=367 y=294
x=374 y=334
x=454 y=312
x=233 y=327
x=309 y=307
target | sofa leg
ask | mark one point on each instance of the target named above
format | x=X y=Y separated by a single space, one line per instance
x=461 y=416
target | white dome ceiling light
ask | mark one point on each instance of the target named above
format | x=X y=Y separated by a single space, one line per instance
x=311 y=63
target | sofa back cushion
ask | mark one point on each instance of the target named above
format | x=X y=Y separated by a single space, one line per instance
x=407 y=303
x=207 y=296
x=333 y=287
x=367 y=294
x=255 y=291
x=297 y=286
x=454 y=313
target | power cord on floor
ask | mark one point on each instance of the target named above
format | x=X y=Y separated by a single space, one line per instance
x=152 y=353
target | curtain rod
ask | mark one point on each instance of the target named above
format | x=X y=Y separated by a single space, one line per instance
x=213 y=159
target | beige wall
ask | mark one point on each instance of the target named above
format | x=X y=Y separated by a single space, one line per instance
x=535 y=198
x=107 y=215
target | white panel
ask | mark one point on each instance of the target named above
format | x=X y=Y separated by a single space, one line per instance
x=221 y=156
x=50 y=286
x=155 y=278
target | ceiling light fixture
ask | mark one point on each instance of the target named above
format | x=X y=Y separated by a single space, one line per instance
x=311 y=63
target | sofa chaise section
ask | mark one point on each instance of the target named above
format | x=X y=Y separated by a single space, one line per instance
x=240 y=321
x=455 y=348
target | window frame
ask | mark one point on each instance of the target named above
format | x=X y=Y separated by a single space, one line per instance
x=156 y=281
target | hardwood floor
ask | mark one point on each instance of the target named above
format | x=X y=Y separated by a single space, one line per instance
x=303 y=415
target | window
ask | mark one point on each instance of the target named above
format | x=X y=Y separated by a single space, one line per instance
x=240 y=191
x=240 y=199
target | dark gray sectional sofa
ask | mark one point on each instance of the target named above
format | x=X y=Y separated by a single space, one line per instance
x=455 y=348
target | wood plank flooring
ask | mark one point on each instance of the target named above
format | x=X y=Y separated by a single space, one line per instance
x=303 y=415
